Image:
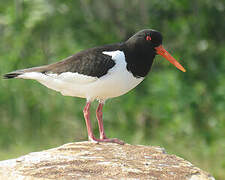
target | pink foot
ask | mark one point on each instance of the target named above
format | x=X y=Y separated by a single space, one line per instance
x=113 y=140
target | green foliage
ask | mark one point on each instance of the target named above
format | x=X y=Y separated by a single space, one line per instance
x=183 y=112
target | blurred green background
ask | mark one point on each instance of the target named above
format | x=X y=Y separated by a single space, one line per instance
x=182 y=112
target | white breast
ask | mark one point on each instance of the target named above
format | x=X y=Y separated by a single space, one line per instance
x=116 y=82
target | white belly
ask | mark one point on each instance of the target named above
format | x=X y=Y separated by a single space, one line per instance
x=116 y=82
x=111 y=86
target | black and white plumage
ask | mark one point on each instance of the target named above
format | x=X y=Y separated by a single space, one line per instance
x=101 y=72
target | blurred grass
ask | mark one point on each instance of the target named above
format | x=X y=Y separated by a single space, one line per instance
x=182 y=112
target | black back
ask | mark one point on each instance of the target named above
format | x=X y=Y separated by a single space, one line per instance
x=91 y=62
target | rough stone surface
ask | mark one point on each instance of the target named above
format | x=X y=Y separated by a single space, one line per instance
x=87 y=160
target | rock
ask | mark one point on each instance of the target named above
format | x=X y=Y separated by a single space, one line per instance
x=88 y=160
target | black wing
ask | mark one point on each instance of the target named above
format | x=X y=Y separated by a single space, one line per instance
x=91 y=62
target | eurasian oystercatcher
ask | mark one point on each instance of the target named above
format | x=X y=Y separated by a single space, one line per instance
x=101 y=73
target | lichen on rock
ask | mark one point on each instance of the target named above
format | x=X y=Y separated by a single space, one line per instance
x=88 y=160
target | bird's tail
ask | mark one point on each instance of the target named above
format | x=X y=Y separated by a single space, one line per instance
x=11 y=75
x=17 y=73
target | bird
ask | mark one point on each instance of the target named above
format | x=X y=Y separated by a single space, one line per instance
x=101 y=73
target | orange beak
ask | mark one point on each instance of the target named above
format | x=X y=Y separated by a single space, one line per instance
x=161 y=51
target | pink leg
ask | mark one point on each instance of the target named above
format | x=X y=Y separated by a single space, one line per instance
x=100 y=122
x=103 y=137
x=86 y=112
x=101 y=129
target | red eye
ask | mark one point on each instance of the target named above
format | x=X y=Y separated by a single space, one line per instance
x=148 y=38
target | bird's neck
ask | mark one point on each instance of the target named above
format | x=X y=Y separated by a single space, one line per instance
x=139 y=60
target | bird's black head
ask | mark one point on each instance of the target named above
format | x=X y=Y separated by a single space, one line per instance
x=148 y=38
x=143 y=46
